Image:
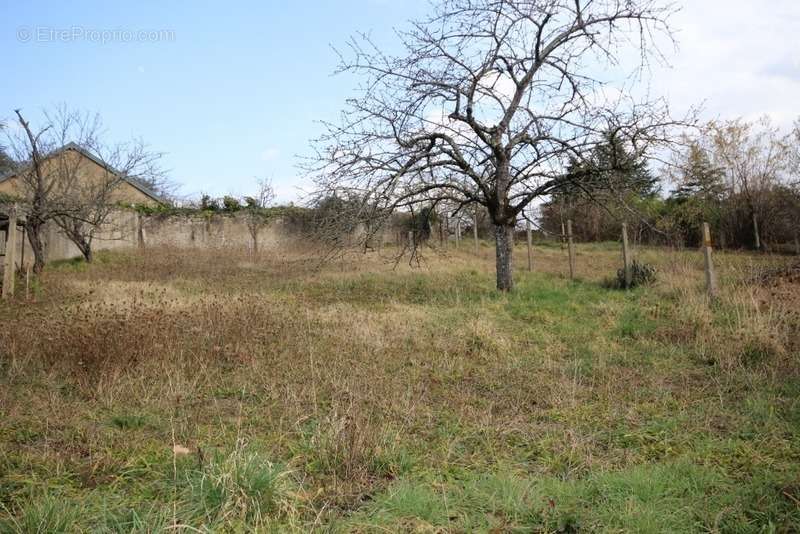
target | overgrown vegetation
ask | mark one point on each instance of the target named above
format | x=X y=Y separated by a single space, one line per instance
x=190 y=391
x=642 y=274
x=212 y=208
x=739 y=176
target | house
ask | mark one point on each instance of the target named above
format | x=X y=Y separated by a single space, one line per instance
x=85 y=169
x=85 y=166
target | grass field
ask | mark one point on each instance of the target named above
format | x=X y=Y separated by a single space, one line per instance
x=185 y=391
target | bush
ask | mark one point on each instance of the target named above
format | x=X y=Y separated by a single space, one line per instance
x=641 y=274
x=231 y=204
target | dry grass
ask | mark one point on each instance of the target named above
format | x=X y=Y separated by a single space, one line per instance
x=362 y=397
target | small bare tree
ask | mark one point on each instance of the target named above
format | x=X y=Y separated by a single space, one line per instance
x=255 y=207
x=489 y=102
x=55 y=185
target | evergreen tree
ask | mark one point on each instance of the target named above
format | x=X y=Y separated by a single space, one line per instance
x=610 y=169
x=698 y=198
x=598 y=190
x=700 y=178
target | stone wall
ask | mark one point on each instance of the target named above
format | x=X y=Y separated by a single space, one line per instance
x=216 y=231
x=127 y=229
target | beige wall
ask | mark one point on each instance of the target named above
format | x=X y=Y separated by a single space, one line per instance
x=122 y=232
x=217 y=231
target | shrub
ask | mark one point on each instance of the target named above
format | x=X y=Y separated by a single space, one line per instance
x=641 y=274
x=231 y=204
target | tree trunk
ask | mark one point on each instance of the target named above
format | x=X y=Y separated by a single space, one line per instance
x=34 y=231
x=84 y=246
x=756 y=235
x=254 y=239
x=504 y=238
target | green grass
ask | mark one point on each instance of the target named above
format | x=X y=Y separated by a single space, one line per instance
x=75 y=264
x=391 y=401
x=679 y=496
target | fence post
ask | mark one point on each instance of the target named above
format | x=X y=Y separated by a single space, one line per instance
x=9 y=265
x=411 y=238
x=711 y=279
x=475 y=228
x=626 y=256
x=530 y=244
x=445 y=230
x=22 y=247
x=563 y=234
x=28 y=283
x=571 y=249
x=756 y=233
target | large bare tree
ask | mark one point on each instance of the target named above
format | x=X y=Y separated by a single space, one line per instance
x=489 y=101
x=54 y=183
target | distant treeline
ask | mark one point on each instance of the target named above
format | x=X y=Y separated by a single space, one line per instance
x=742 y=178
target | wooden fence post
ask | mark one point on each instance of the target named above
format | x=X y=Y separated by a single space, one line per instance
x=626 y=257
x=475 y=229
x=22 y=248
x=411 y=238
x=28 y=283
x=445 y=231
x=711 y=278
x=530 y=244
x=571 y=249
x=458 y=233
x=756 y=233
x=9 y=265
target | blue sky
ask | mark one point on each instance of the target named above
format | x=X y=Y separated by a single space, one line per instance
x=235 y=92
x=234 y=96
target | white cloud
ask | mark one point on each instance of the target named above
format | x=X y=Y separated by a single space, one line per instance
x=740 y=57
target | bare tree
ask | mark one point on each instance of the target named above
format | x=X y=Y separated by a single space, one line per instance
x=55 y=185
x=255 y=206
x=755 y=158
x=794 y=147
x=489 y=102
